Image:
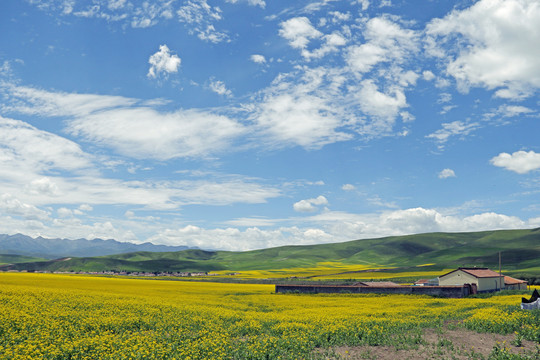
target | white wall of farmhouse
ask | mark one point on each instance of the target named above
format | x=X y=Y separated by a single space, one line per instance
x=459 y=277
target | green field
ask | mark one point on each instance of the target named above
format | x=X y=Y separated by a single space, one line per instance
x=430 y=253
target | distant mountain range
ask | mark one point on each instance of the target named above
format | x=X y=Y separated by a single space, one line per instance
x=57 y=248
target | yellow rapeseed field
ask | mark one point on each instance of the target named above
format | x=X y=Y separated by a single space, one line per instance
x=45 y=316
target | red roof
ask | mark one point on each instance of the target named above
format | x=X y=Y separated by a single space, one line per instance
x=512 y=281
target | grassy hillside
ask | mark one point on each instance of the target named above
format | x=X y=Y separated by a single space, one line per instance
x=520 y=250
x=14 y=259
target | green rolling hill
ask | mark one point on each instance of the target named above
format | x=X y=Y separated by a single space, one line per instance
x=520 y=251
x=6 y=259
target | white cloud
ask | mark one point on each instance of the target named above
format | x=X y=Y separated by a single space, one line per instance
x=338 y=227
x=312 y=107
x=492 y=46
x=43 y=186
x=10 y=205
x=455 y=128
x=385 y=42
x=364 y=3
x=520 y=162
x=385 y=107
x=116 y=4
x=85 y=207
x=200 y=17
x=234 y=239
x=258 y=59
x=132 y=127
x=137 y=16
x=163 y=62
x=219 y=88
x=64 y=212
x=302 y=119
x=146 y=133
x=447 y=173
x=513 y=110
x=428 y=75
x=348 y=187
x=21 y=143
x=316 y=6
x=260 y=3
x=299 y=31
x=38 y=102
x=346 y=226
x=310 y=205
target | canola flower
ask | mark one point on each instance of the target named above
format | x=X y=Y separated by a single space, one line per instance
x=46 y=316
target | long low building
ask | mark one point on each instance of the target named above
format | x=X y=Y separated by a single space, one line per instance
x=442 y=291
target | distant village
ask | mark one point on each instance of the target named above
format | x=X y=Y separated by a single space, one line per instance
x=125 y=273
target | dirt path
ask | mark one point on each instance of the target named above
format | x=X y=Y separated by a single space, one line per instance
x=446 y=344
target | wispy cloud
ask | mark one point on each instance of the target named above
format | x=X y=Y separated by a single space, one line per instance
x=219 y=88
x=455 y=128
x=200 y=17
x=132 y=127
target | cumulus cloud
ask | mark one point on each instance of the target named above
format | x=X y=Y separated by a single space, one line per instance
x=348 y=187
x=447 y=173
x=310 y=205
x=299 y=31
x=520 y=162
x=386 y=42
x=312 y=107
x=491 y=46
x=258 y=59
x=163 y=62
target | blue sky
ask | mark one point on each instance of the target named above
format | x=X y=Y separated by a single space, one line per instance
x=245 y=124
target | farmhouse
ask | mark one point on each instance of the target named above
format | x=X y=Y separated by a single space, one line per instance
x=484 y=279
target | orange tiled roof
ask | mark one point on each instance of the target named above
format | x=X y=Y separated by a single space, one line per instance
x=512 y=281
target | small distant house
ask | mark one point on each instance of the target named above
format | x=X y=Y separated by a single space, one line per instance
x=485 y=279
x=514 y=284
x=427 y=282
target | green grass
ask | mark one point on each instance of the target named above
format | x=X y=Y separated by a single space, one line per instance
x=14 y=259
x=520 y=251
